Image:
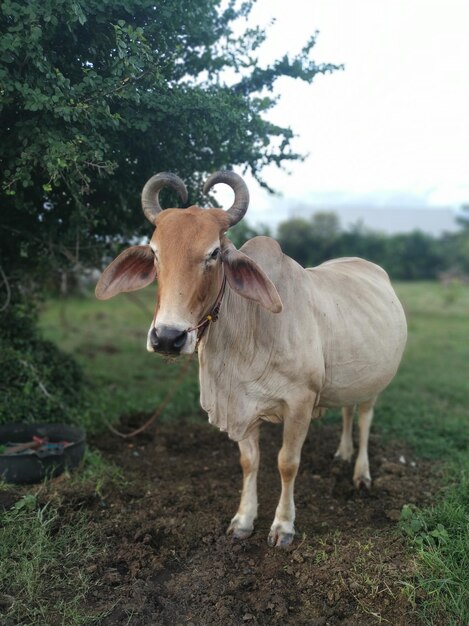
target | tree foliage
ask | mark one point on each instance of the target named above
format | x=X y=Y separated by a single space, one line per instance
x=310 y=241
x=38 y=382
x=406 y=256
x=458 y=247
x=243 y=231
x=97 y=96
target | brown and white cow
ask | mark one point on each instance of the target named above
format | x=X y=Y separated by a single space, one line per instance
x=289 y=342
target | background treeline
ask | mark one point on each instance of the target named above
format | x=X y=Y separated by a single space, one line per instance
x=405 y=256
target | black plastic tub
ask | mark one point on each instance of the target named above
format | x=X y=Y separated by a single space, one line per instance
x=34 y=467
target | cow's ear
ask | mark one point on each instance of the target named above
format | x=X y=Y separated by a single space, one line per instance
x=133 y=269
x=248 y=279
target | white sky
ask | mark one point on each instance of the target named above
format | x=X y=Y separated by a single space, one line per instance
x=390 y=129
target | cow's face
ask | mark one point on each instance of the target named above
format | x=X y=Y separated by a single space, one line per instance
x=189 y=255
x=187 y=248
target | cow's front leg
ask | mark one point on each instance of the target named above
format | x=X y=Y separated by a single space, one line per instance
x=295 y=429
x=242 y=523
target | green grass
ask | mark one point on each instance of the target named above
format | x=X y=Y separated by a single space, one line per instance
x=427 y=406
x=427 y=403
x=109 y=340
x=43 y=575
x=45 y=551
x=440 y=539
x=96 y=472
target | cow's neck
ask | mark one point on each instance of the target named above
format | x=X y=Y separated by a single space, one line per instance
x=234 y=357
x=236 y=332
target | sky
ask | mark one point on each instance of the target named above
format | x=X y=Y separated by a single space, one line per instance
x=392 y=128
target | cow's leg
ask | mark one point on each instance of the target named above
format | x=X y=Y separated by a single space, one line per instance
x=345 y=449
x=295 y=429
x=242 y=523
x=361 y=474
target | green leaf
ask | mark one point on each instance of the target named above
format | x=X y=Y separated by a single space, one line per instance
x=26 y=504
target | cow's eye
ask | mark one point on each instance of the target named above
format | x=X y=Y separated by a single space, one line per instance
x=215 y=253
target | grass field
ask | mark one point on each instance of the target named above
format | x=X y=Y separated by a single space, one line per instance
x=108 y=339
x=426 y=406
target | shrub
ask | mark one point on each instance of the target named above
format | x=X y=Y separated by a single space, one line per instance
x=38 y=382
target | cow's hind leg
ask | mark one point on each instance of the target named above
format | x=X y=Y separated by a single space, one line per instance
x=361 y=474
x=242 y=523
x=295 y=429
x=345 y=449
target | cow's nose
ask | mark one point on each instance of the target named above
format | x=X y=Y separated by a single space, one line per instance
x=167 y=339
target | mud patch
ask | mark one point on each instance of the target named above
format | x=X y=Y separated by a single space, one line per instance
x=167 y=559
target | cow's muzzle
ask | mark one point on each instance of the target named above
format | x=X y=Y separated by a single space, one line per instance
x=167 y=339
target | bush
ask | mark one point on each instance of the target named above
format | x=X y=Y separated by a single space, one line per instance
x=38 y=382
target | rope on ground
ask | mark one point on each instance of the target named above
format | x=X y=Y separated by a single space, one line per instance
x=168 y=397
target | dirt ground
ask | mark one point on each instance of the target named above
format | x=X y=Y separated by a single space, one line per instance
x=167 y=560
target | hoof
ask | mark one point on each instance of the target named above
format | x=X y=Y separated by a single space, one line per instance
x=241 y=533
x=279 y=539
x=362 y=481
x=346 y=457
x=237 y=533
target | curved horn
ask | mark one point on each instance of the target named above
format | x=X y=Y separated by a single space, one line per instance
x=237 y=184
x=151 y=191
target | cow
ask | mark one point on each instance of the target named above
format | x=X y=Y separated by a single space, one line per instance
x=288 y=343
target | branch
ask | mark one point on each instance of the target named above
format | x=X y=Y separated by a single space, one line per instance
x=126 y=82
x=39 y=382
x=8 y=290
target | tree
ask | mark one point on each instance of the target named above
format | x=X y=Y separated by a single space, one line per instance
x=407 y=256
x=413 y=256
x=459 y=242
x=296 y=239
x=326 y=225
x=243 y=231
x=359 y=241
x=326 y=233
x=310 y=241
x=463 y=218
x=98 y=95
